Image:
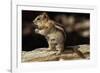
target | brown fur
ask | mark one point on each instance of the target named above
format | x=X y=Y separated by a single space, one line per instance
x=52 y=32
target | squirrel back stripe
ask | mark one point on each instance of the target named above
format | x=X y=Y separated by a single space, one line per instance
x=61 y=28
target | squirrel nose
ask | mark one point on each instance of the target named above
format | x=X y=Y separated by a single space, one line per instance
x=33 y=21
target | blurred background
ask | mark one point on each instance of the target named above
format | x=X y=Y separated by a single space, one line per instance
x=77 y=26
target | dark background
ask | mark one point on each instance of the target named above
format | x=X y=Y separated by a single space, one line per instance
x=31 y=40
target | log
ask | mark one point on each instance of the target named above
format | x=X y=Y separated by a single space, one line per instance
x=42 y=54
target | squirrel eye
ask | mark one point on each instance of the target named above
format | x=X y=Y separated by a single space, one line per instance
x=38 y=18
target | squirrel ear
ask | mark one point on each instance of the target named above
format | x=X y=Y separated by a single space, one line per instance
x=45 y=15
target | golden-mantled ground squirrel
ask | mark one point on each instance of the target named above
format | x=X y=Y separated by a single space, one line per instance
x=52 y=32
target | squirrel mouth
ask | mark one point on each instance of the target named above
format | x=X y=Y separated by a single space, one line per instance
x=40 y=28
x=36 y=26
